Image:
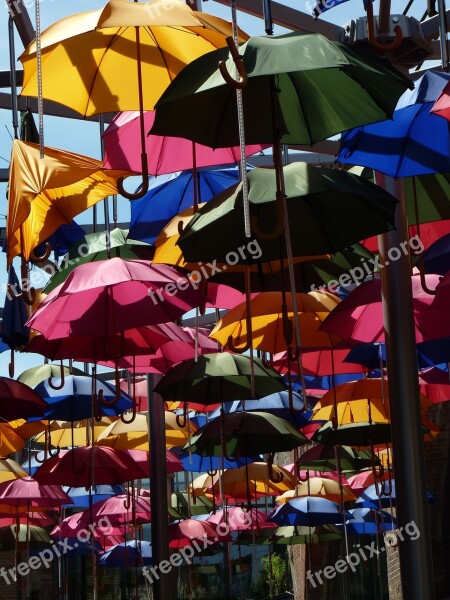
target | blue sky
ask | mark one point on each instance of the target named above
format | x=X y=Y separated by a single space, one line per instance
x=83 y=137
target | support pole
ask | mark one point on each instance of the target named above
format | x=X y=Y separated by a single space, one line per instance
x=443 y=35
x=163 y=588
x=12 y=65
x=407 y=434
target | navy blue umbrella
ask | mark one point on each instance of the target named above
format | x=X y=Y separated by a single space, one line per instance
x=171 y=194
x=436 y=258
x=128 y=554
x=414 y=142
x=368 y=521
x=62 y=239
x=370 y=499
x=308 y=511
x=13 y=332
x=201 y=464
x=429 y=354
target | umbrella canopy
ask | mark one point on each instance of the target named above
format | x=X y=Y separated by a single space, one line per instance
x=291 y=534
x=46 y=193
x=246 y=434
x=80 y=495
x=239 y=519
x=30 y=494
x=367 y=521
x=165 y=154
x=10 y=440
x=198 y=464
x=24 y=534
x=187 y=505
x=95 y=53
x=309 y=511
x=326 y=458
x=319 y=486
x=413 y=142
x=215 y=378
x=32 y=377
x=122 y=509
x=364 y=479
x=321 y=362
x=133 y=553
x=335 y=209
x=322 y=86
x=72 y=525
x=188 y=531
x=14 y=333
x=104 y=297
x=268 y=333
x=65 y=434
x=86 y=465
x=93 y=246
x=27 y=403
x=387 y=498
x=10 y=470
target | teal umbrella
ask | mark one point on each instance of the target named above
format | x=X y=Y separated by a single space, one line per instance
x=322 y=87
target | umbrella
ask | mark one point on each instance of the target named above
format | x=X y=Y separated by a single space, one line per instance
x=46 y=193
x=173 y=194
x=239 y=519
x=326 y=458
x=268 y=321
x=64 y=238
x=215 y=378
x=133 y=553
x=197 y=464
x=27 y=403
x=336 y=209
x=65 y=434
x=124 y=508
x=95 y=246
x=84 y=465
x=190 y=532
x=82 y=497
x=30 y=494
x=165 y=154
x=14 y=333
x=186 y=505
x=367 y=521
x=374 y=497
x=96 y=298
x=72 y=398
x=364 y=479
x=25 y=533
x=32 y=377
x=414 y=142
x=442 y=104
x=246 y=434
x=322 y=86
x=10 y=470
x=79 y=522
x=291 y=534
x=307 y=511
x=319 y=486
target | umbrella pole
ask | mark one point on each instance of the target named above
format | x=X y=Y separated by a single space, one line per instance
x=101 y=122
x=12 y=70
x=415 y=556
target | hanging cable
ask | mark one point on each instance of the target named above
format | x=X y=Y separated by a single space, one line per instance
x=39 y=78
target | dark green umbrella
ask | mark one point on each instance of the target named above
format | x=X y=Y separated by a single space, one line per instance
x=93 y=247
x=354 y=434
x=245 y=434
x=187 y=505
x=323 y=87
x=325 y=458
x=328 y=210
x=216 y=378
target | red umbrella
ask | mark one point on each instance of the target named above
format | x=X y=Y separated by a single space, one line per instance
x=31 y=494
x=38 y=519
x=239 y=519
x=124 y=508
x=320 y=362
x=73 y=525
x=359 y=318
x=141 y=459
x=361 y=481
x=87 y=466
x=104 y=297
x=191 y=532
x=165 y=154
x=19 y=401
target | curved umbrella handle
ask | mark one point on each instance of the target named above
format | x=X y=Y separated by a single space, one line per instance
x=50 y=380
x=11 y=365
x=38 y=460
x=144 y=189
x=54 y=452
x=182 y=420
x=423 y=282
x=270 y=236
x=381 y=489
x=117 y=394
x=40 y=259
x=267 y=362
x=275 y=478
x=371 y=33
x=133 y=415
x=239 y=62
x=212 y=473
x=28 y=293
x=292 y=408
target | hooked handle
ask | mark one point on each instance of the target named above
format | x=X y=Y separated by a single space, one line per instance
x=240 y=83
x=372 y=37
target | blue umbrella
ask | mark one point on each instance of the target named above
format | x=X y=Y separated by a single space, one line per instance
x=171 y=194
x=429 y=354
x=62 y=239
x=201 y=464
x=128 y=554
x=414 y=142
x=436 y=258
x=73 y=401
x=276 y=404
x=368 y=521
x=80 y=496
x=326 y=382
x=370 y=499
x=308 y=511
x=13 y=332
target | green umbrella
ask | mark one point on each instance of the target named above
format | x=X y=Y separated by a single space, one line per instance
x=28 y=129
x=216 y=378
x=293 y=534
x=325 y=458
x=93 y=247
x=323 y=87
x=354 y=434
x=245 y=434
x=196 y=505
x=36 y=375
x=328 y=210
x=26 y=533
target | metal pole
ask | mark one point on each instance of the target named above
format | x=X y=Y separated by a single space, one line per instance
x=163 y=588
x=407 y=434
x=12 y=67
x=443 y=34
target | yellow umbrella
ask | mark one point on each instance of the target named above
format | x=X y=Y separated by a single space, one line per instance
x=46 y=193
x=64 y=434
x=10 y=441
x=134 y=435
x=10 y=469
x=89 y=59
x=319 y=486
x=355 y=411
x=268 y=333
x=27 y=429
x=201 y=483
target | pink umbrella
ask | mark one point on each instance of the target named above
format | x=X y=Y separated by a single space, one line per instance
x=70 y=526
x=239 y=519
x=107 y=296
x=165 y=154
x=441 y=107
x=359 y=482
x=359 y=318
x=190 y=532
x=28 y=492
x=141 y=458
x=435 y=385
x=320 y=362
x=86 y=466
x=121 y=509
x=38 y=519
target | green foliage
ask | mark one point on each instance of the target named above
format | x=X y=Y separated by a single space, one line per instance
x=275 y=577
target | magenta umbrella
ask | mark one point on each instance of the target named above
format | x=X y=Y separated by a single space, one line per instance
x=124 y=508
x=141 y=458
x=164 y=154
x=359 y=318
x=87 y=466
x=191 y=531
x=104 y=297
x=240 y=519
x=70 y=526
x=32 y=494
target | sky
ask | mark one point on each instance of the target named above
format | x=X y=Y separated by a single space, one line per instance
x=84 y=137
